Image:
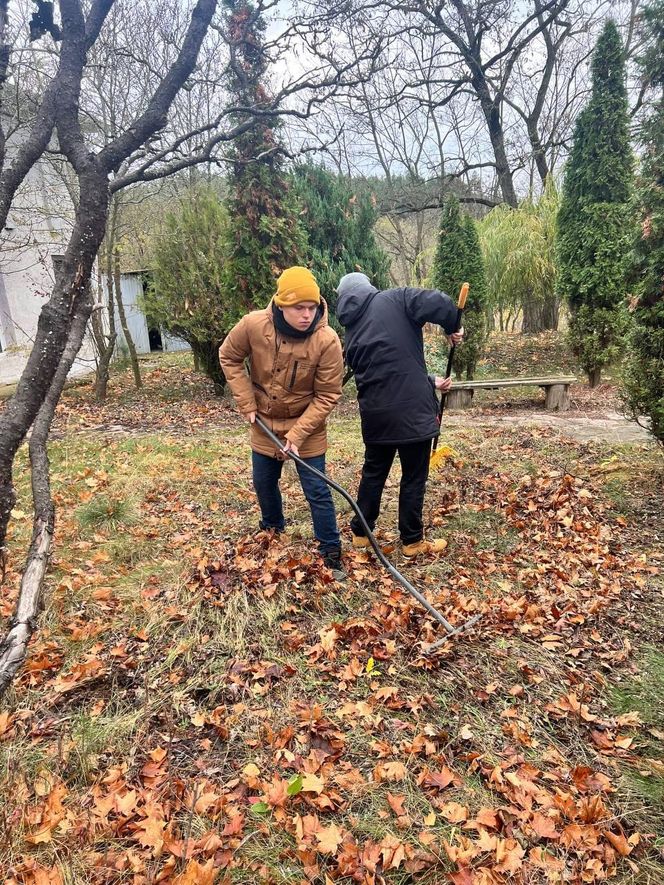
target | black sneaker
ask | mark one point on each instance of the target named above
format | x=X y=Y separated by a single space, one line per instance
x=332 y=560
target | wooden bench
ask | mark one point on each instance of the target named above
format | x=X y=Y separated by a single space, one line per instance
x=557 y=390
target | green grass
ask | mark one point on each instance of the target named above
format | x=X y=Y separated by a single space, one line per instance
x=641 y=785
x=644 y=692
x=108 y=513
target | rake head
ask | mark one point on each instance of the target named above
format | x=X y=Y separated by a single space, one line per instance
x=442 y=454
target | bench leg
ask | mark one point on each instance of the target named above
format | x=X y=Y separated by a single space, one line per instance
x=459 y=399
x=557 y=398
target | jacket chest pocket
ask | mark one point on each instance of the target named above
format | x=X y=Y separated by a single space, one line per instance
x=300 y=376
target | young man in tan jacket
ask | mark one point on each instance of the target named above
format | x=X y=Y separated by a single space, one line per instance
x=294 y=382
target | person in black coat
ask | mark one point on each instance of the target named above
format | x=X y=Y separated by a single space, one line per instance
x=397 y=397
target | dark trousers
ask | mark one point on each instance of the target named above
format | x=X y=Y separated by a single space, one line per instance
x=266 y=475
x=378 y=460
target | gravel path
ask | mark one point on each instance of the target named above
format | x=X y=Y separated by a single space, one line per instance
x=611 y=427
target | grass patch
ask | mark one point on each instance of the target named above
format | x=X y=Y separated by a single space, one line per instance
x=644 y=692
x=641 y=785
x=107 y=512
x=487 y=528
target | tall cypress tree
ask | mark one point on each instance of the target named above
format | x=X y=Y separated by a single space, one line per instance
x=339 y=221
x=644 y=376
x=265 y=235
x=458 y=260
x=594 y=220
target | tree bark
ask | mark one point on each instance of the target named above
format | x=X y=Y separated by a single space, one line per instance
x=539 y=154
x=594 y=377
x=44 y=122
x=131 y=347
x=106 y=343
x=5 y=53
x=497 y=135
x=13 y=648
x=208 y=359
x=540 y=315
x=53 y=326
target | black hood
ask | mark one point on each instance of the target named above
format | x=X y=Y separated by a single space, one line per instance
x=355 y=295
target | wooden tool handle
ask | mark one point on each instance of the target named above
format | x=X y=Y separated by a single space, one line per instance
x=463 y=295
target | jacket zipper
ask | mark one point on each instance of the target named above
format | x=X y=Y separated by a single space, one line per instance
x=292 y=377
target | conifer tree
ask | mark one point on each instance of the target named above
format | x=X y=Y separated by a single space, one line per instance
x=339 y=221
x=185 y=295
x=644 y=376
x=458 y=259
x=594 y=226
x=265 y=235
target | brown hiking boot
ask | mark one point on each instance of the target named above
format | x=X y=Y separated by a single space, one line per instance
x=420 y=548
x=361 y=542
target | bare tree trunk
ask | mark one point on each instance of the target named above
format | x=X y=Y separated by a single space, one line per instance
x=594 y=377
x=551 y=312
x=540 y=315
x=532 y=316
x=131 y=347
x=107 y=345
x=208 y=359
x=13 y=647
x=55 y=319
x=96 y=319
x=5 y=54
x=539 y=154
x=497 y=135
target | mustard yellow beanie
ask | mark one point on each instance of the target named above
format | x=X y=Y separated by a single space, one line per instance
x=294 y=285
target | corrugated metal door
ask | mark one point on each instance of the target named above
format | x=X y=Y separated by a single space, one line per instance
x=131 y=287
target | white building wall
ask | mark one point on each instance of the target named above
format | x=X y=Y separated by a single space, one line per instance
x=38 y=228
x=132 y=290
x=171 y=343
x=131 y=286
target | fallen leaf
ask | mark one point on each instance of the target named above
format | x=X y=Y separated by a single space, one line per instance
x=311 y=783
x=619 y=842
x=150 y=834
x=196 y=873
x=454 y=813
x=329 y=839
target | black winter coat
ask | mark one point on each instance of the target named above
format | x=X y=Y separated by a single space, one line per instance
x=385 y=349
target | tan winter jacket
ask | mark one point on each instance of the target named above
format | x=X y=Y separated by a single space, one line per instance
x=293 y=384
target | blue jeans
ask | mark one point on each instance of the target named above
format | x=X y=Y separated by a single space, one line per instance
x=266 y=474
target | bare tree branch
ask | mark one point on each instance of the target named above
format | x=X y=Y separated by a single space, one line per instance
x=154 y=116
